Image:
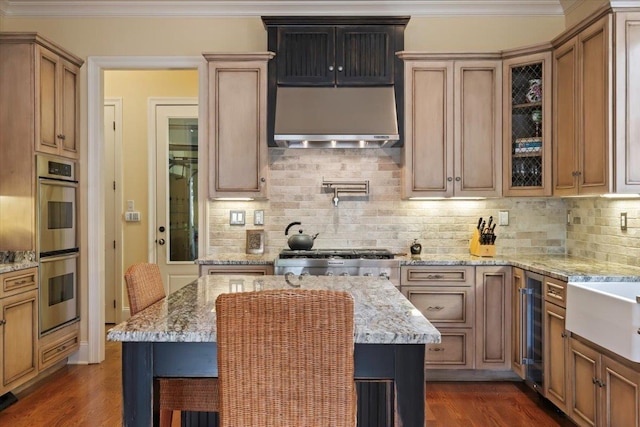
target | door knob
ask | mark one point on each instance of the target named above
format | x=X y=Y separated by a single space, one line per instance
x=161 y=242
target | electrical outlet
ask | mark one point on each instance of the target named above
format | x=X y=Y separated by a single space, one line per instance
x=503 y=218
x=623 y=221
x=258 y=217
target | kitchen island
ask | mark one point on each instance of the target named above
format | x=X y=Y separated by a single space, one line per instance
x=176 y=337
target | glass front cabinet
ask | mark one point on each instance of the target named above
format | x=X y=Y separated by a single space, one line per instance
x=527 y=125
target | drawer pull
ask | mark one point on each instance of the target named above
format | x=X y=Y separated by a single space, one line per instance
x=436 y=308
x=436 y=349
x=63 y=348
x=21 y=282
x=435 y=276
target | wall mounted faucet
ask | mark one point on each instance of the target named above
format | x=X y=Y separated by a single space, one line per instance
x=341 y=187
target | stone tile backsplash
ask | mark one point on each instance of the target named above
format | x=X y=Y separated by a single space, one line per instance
x=381 y=219
x=595 y=231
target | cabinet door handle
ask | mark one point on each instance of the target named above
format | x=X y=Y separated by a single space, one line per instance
x=3 y=322
x=563 y=335
x=601 y=384
x=458 y=179
x=594 y=380
x=330 y=67
x=449 y=179
x=340 y=68
x=61 y=136
x=436 y=308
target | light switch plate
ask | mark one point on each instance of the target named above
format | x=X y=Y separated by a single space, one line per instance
x=236 y=217
x=258 y=217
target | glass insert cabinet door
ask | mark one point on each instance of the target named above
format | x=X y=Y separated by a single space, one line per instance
x=183 y=189
x=527 y=133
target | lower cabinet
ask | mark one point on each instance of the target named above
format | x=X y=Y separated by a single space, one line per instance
x=253 y=270
x=556 y=343
x=603 y=391
x=470 y=307
x=18 y=328
x=57 y=345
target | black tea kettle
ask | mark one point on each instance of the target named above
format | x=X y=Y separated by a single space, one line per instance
x=300 y=241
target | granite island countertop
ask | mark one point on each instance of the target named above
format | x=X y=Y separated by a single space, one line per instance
x=382 y=314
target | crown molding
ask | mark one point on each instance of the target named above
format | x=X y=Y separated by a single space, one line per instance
x=210 y=8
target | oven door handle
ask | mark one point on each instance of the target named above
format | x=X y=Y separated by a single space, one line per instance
x=60 y=258
x=58 y=182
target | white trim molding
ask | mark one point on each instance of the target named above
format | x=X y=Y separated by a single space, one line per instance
x=210 y=8
x=95 y=180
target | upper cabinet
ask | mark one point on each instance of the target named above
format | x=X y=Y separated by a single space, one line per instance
x=238 y=155
x=341 y=55
x=527 y=124
x=453 y=126
x=627 y=102
x=57 y=95
x=41 y=84
x=582 y=94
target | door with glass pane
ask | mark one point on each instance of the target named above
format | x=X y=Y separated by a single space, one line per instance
x=176 y=234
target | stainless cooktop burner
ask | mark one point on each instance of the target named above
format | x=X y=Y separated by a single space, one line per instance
x=337 y=254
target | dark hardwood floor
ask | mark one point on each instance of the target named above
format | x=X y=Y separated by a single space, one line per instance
x=80 y=395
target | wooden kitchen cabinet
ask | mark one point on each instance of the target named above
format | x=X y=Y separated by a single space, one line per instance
x=582 y=112
x=445 y=296
x=335 y=55
x=527 y=123
x=493 y=317
x=453 y=126
x=238 y=155
x=604 y=390
x=18 y=328
x=39 y=86
x=556 y=343
x=518 y=347
x=57 y=118
x=253 y=270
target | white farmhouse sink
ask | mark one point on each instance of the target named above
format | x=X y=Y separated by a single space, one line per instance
x=607 y=314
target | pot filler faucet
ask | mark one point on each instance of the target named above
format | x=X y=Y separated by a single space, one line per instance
x=338 y=187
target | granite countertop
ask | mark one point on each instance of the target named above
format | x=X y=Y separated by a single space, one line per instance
x=561 y=267
x=17 y=260
x=382 y=314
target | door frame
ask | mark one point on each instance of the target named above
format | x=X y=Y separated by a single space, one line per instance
x=116 y=102
x=93 y=349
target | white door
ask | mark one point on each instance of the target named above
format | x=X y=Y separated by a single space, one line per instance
x=176 y=193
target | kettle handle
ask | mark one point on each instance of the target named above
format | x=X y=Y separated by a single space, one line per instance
x=286 y=231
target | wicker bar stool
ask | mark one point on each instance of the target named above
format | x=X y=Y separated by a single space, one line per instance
x=285 y=359
x=145 y=287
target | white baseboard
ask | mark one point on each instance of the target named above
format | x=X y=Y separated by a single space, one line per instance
x=80 y=357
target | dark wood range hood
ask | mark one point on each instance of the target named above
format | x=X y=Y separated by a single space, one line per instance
x=319 y=81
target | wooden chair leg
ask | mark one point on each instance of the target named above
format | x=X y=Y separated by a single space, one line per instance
x=166 y=416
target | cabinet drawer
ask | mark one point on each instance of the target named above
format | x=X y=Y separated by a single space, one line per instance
x=455 y=350
x=58 y=345
x=251 y=270
x=443 y=306
x=555 y=291
x=15 y=282
x=437 y=276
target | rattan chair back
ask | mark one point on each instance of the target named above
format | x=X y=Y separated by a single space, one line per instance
x=144 y=286
x=285 y=359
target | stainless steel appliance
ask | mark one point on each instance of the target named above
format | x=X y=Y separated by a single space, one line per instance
x=339 y=262
x=57 y=242
x=532 y=330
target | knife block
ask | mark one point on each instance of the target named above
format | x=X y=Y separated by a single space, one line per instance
x=475 y=248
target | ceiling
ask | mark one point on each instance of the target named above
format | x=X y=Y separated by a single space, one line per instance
x=199 y=8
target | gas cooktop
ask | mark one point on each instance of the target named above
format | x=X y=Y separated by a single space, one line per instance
x=337 y=254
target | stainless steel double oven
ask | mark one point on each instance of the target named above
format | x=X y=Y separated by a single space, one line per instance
x=57 y=242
